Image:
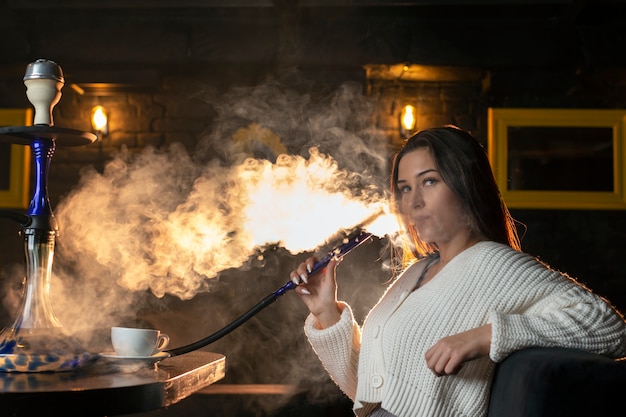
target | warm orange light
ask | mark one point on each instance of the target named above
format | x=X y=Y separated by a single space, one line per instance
x=408 y=119
x=99 y=120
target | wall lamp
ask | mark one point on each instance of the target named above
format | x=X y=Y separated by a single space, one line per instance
x=100 y=121
x=408 y=119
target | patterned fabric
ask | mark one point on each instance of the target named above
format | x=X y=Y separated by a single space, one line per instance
x=527 y=303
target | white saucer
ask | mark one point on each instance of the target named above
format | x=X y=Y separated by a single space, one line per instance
x=112 y=356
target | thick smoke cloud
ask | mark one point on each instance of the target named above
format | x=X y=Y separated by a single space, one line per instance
x=276 y=168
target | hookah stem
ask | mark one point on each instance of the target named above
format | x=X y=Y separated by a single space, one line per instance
x=339 y=252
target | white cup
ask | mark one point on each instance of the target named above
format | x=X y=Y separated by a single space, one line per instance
x=138 y=342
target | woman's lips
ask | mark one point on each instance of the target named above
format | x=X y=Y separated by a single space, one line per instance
x=419 y=220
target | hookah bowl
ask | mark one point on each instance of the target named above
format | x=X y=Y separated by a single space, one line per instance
x=36 y=341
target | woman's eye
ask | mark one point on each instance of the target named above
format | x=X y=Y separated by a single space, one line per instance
x=405 y=189
x=430 y=181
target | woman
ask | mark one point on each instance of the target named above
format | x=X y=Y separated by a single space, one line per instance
x=430 y=345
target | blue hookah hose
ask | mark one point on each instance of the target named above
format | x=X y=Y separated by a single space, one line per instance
x=349 y=243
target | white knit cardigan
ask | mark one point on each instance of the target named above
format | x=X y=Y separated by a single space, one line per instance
x=527 y=304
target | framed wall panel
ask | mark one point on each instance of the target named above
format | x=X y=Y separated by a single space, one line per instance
x=559 y=158
x=14 y=162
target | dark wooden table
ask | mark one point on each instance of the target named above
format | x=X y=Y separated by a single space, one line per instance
x=108 y=388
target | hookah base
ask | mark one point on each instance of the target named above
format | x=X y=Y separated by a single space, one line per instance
x=41 y=350
x=44 y=362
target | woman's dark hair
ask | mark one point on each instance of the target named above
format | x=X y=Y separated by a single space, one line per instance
x=464 y=167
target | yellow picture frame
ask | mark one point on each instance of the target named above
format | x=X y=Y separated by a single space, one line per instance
x=16 y=193
x=612 y=123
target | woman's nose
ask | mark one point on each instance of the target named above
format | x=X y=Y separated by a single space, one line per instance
x=416 y=200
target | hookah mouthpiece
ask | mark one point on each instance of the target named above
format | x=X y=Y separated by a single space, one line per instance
x=349 y=243
x=354 y=239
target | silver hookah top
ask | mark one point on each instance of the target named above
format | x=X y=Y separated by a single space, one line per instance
x=44 y=79
x=44 y=69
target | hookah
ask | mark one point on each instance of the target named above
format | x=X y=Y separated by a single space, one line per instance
x=36 y=341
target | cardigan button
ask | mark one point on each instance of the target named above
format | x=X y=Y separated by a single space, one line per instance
x=377 y=381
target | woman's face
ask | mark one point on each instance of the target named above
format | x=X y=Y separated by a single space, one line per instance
x=427 y=202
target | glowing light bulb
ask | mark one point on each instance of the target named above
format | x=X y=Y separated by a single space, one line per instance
x=408 y=119
x=99 y=120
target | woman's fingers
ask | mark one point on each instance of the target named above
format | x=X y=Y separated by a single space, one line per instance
x=301 y=274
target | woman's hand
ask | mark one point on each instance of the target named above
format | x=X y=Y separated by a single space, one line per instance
x=318 y=291
x=446 y=357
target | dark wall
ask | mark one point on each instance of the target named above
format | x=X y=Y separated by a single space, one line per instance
x=169 y=71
